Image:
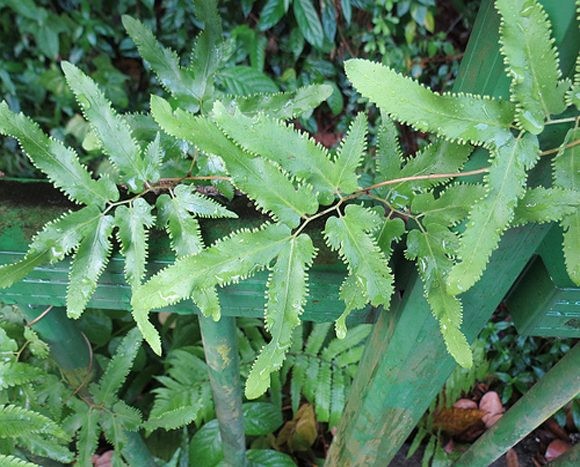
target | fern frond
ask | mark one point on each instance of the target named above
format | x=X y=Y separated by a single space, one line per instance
x=351 y=151
x=531 y=62
x=17 y=421
x=182 y=228
x=541 y=205
x=89 y=262
x=88 y=436
x=392 y=230
x=118 y=368
x=451 y=206
x=229 y=260
x=455 y=117
x=45 y=446
x=18 y=373
x=273 y=140
x=260 y=179
x=491 y=216
x=284 y=105
x=112 y=130
x=60 y=163
x=286 y=292
x=121 y=419
x=132 y=223
x=312 y=382
x=366 y=262
x=298 y=381
x=13 y=461
x=389 y=156
x=356 y=336
x=316 y=338
x=323 y=392
x=433 y=249
x=208 y=302
x=337 y=398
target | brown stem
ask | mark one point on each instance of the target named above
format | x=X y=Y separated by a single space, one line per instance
x=555 y=150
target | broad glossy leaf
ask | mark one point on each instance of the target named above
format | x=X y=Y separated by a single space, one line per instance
x=286 y=296
x=531 y=62
x=58 y=162
x=243 y=80
x=456 y=117
x=491 y=216
x=349 y=234
x=432 y=250
x=229 y=260
x=269 y=457
x=285 y=105
x=206 y=445
x=260 y=179
x=350 y=154
x=112 y=130
x=132 y=223
x=163 y=61
x=271 y=13
x=52 y=243
x=261 y=418
x=308 y=22
x=275 y=141
x=88 y=263
x=450 y=207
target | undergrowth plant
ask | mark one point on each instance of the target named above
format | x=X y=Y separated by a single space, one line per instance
x=451 y=228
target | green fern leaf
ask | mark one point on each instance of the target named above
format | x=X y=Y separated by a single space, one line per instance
x=286 y=293
x=18 y=373
x=337 y=398
x=366 y=262
x=531 y=62
x=153 y=158
x=112 y=130
x=490 y=217
x=132 y=223
x=121 y=419
x=450 y=207
x=118 y=368
x=433 y=249
x=207 y=300
x=37 y=347
x=311 y=383
x=164 y=62
x=456 y=117
x=567 y=176
x=12 y=461
x=298 y=381
x=17 y=421
x=199 y=205
x=52 y=244
x=229 y=260
x=59 y=163
x=88 y=436
x=392 y=230
x=45 y=446
x=350 y=153
x=183 y=229
x=356 y=336
x=89 y=261
x=546 y=205
x=323 y=393
x=275 y=141
x=573 y=95
x=316 y=338
x=261 y=180
x=284 y=105
x=437 y=158
x=389 y=156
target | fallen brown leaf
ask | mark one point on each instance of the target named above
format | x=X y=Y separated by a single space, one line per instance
x=455 y=420
x=555 y=449
x=465 y=404
x=512 y=458
x=491 y=404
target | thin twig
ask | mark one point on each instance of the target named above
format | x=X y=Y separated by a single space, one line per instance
x=561 y=120
x=40 y=316
x=555 y=150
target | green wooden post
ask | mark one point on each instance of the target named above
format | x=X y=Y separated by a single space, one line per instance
x=70 y=350
x=221 y=354
x=405 y=363
x=556 y=388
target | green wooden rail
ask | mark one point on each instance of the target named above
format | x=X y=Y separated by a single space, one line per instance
x=405 y=363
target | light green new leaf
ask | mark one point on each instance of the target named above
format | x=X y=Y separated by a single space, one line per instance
x=208 y=302
x=433 y=249
x=285 y=105
x=456 y=117
x=88 y=263
x=531 y=62
x=230 y=260
x=350 y=153
x=567 y=176
x=260 y=179
x=118 y=368
x=112 y=130
x=546 y=205
x=60 y=163
x=132 y=223
x=275 y=141
x=451 y=207
x=491 y=216
x=286 y=296
x=52 y=244
x=349 y=235
x=163 y=61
